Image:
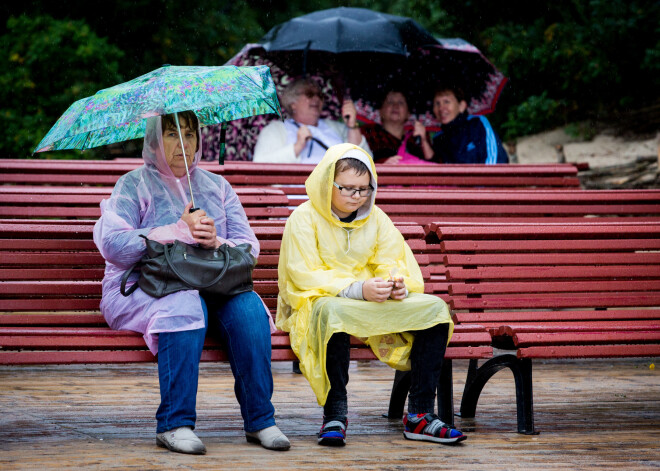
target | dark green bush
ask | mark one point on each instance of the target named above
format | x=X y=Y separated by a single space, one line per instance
x=47 y=64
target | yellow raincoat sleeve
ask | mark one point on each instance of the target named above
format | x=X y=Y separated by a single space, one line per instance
x=302 y=275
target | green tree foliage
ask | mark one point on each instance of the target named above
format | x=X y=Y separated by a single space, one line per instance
x=567 y=60
x=47 y=64
x=580 y=60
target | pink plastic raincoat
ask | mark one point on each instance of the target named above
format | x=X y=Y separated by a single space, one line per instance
x=149 y=201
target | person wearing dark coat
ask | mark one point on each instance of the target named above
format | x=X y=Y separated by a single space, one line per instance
x=464 y=138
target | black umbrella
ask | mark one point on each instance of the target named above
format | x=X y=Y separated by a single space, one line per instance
x=365 y=51
x=345 y=30
x=361 y=52
x=356 y=47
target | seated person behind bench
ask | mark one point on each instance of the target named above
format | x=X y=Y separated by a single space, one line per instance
x=390 y=142
x=344 y=269
x=305 y=137
x=148 y=201
x=464 y=138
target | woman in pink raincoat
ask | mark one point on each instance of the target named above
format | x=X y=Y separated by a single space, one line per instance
x=152 y=201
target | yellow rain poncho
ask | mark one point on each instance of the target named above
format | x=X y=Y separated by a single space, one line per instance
x=320 y=256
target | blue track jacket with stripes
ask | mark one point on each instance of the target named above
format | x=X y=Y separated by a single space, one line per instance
x=468 y=139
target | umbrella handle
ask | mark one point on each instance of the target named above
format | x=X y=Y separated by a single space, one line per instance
x=185 y=161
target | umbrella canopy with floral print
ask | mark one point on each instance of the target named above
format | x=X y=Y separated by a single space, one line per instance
x=119 y=113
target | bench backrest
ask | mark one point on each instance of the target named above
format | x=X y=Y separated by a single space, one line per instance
x=499 y=274
x=20 y=202
x=292 y=176
x=56 y=267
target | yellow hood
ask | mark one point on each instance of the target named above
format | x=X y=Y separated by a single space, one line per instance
x=319 y=183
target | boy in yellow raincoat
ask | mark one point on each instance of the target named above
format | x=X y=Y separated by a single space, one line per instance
x=344 y=269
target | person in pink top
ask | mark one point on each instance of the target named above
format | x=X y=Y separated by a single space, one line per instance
x=152 y=201
x=391 y=141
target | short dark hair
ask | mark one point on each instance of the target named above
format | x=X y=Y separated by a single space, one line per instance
x=393 y=89
x=456 y=91
x=190 y=118
x=349 y=162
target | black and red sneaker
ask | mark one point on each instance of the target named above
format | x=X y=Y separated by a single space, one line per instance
x=333 y=433
x=429 y=428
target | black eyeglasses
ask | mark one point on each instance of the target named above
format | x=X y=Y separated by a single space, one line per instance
x=351 y=191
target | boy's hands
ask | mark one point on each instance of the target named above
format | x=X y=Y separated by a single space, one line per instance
x=376 y=290
x=379 y=290
x=398 y=288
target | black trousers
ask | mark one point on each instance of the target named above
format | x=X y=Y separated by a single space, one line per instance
x=426 y=357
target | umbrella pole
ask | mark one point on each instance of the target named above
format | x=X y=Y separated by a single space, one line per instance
x=185 y=161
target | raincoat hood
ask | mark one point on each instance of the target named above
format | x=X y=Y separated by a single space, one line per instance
x=319 y=184
x=153 y=151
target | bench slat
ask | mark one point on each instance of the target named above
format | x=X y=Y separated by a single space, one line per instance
x=589 y=351
x=585 y=338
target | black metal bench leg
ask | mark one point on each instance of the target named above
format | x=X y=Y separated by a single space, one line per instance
x=522 y=374
x=524 y=397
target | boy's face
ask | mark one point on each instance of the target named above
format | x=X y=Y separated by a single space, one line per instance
x=342 y=205
x=446 y=107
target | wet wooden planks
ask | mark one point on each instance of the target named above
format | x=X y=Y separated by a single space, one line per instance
x=599 y=414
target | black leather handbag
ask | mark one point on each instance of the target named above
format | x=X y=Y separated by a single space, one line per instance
x=167 y=268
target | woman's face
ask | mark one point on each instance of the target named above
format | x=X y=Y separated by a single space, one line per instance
x=446 y=107
x=172 y=147
x=342 y=205
x=307 y=107
x=394 y=109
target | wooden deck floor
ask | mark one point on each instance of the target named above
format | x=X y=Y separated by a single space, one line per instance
x=591 y=415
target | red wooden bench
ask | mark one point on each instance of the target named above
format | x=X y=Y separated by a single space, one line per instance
x=292 y=176
x=554 y=291
x=50 y=288
x=499 y=205
x=18 y=201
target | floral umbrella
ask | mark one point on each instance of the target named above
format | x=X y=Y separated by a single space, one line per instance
x=215 y=94
x=119 y=113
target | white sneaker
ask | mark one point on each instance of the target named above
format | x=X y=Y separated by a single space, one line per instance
x=181 y=440
x=271 y=438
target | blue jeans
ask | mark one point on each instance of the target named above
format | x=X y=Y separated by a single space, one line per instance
x=242 y=327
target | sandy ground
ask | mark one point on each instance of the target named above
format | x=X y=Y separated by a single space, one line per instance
x=604 y=150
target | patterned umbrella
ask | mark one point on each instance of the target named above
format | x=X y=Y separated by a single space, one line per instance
x=119 y=113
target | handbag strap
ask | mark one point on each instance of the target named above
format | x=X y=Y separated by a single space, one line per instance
x=168 y=258
x=124 y=279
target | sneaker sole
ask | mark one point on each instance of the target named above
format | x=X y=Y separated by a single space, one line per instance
x=164 y=444
x=258 y=442
x=332 y=441
x=428 y=438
